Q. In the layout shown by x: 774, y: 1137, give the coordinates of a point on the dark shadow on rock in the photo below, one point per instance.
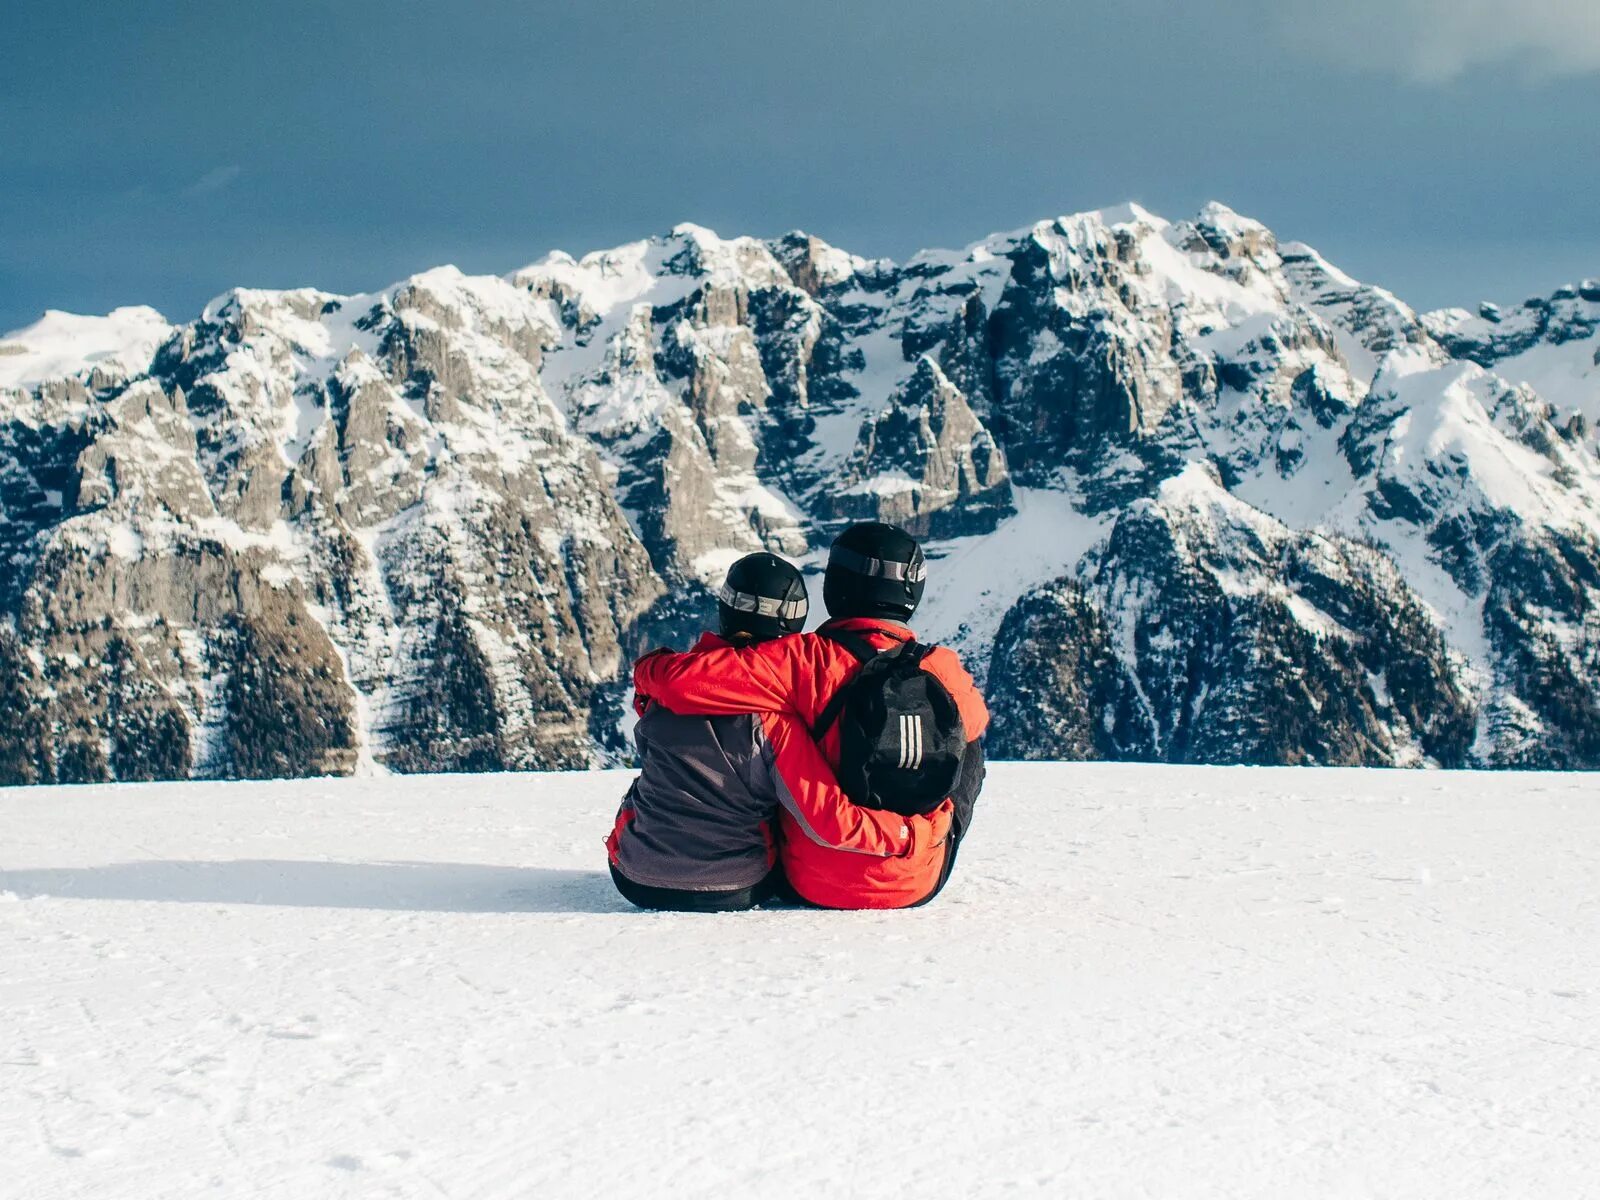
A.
x: 383, y: 886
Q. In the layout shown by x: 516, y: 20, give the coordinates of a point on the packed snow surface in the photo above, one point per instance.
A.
x: 1141, y: 982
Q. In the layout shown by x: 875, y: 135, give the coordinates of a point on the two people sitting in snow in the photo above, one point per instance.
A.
x: 837, y: 768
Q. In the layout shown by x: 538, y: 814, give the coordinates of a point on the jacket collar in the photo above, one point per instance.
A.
x: 715, y: 641
x: 894, y: 629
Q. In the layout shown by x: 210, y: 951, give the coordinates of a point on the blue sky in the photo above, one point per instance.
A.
x: 161, y: 153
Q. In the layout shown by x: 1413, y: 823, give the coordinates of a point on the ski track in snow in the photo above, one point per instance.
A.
x: 1143, y: 981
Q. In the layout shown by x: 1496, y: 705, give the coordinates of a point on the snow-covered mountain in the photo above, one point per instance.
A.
x: 1191, y: 495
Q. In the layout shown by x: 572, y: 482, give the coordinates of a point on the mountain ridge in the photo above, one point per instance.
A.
x: 422, y: 528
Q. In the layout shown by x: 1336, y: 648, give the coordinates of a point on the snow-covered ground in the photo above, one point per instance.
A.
x: 1162, y: 982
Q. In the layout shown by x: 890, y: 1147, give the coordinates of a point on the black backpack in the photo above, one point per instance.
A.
x: 900, y: 735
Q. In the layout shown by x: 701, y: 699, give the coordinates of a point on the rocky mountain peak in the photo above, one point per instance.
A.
x: 813, y: 265
x: 1189, y: 493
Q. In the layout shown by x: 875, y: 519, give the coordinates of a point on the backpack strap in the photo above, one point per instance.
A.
x: 864, y: 652
x: 830, y: 714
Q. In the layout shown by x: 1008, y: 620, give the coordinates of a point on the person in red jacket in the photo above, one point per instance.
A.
x: 695, y: 832
x: 874, y: 582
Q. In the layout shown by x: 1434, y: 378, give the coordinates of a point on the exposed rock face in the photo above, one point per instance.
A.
x: 278, y: 555
x: 1549, y: 343
x: 1061, y: 690
x: 1206, y: 498
x: 1505, y: 505
x: 1073, y: 329
x: 926, y: 463
x: 1203, y: 631
x: 1542, y: 617
x: 1494, y: 335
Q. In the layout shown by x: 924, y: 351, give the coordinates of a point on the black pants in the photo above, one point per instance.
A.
x: 774, y: 888
x: 684, y: 900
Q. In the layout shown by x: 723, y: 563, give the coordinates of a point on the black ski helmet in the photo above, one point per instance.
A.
x: 874, y: 570
x: 763, y: 597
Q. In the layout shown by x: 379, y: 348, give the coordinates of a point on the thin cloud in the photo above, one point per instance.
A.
x: 213, y: 180
x: 1435, y: 41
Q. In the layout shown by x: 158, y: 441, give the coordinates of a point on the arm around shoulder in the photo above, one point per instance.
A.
x: 810, y: 792
x: 725, y: 681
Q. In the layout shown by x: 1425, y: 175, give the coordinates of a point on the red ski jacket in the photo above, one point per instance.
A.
x: 797, y: 676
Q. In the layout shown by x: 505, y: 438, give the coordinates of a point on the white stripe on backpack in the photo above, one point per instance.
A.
x: 910, y: 742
